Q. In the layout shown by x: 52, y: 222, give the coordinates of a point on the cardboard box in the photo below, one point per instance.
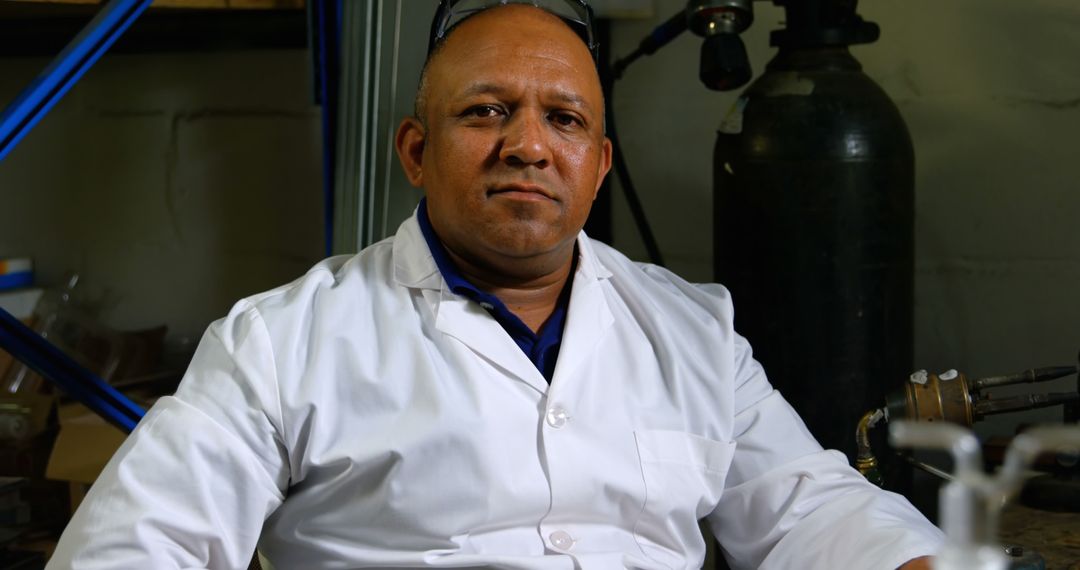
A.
x: 83, y: 446
x: 20, y: 303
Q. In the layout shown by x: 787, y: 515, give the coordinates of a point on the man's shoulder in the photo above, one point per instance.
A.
x: 658, y: 285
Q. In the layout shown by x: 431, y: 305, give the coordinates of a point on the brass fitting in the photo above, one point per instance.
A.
x: 865, y: 462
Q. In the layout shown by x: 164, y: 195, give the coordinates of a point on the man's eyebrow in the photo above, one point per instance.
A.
x: 483, y: 89
x: 570, y: 98
x: 561, y: 95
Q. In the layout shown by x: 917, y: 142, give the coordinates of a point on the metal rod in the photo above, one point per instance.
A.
x: 957, y: 440
x: 1025, y: 377
x: 927, y: 467
x: 52, y: 364
x: 22, y: 114
x: 658, y: 38
x: 1023, y: 402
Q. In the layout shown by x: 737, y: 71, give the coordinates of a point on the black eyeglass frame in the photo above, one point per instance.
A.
x: 440, y: 24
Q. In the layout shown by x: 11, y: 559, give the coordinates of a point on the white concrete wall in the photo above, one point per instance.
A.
x: 173, y: 183
x: 990, y: 90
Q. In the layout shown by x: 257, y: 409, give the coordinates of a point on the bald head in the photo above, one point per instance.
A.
x: 506, y: 16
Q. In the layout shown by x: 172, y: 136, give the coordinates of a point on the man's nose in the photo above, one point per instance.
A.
x: 525, y: 141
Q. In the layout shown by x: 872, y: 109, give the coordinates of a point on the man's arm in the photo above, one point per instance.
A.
x: 192, y: 485
x: 790, y: 504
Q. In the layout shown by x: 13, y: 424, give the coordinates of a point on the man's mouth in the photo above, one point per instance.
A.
x: 522, y: 192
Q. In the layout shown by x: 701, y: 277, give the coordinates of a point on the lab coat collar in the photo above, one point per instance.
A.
x: 588, y: 316
x: 414, y: 266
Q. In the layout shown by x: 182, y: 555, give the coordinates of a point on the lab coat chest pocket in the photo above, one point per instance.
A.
x: 684, y: 478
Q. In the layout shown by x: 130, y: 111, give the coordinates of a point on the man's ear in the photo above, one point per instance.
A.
x: 605, y: 165
x: 409, y: 142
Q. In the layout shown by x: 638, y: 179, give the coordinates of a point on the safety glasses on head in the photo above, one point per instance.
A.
x: 576, y: 13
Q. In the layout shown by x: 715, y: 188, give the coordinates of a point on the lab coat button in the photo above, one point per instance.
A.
x: 557, y: 417
x: 561, y: 540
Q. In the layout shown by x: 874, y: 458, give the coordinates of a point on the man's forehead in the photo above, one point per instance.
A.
x: 514, y: 50
x: 514, y: 39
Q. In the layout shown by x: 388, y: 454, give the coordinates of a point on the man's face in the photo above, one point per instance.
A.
x: 512, y: 152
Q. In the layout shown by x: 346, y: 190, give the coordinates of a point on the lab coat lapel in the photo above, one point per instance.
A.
x: 467, y: 322
x: 456, y: 316
x: 589, y: 316
x: 587, y: 320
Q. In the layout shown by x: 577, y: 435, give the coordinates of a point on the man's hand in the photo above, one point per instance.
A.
x: 922, y: 563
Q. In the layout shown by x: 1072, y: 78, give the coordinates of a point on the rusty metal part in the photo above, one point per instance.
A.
x: 953, y: 397
x: 862, y: 435
x: 865, y: 462
x: 935, y: 400
x: 865, y: 459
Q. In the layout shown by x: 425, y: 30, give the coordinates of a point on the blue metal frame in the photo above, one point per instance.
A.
x: 65, y: 70
x: 18, y: 118
x: 324, y: 33
x: 42, y: 357
x: 24, y: 113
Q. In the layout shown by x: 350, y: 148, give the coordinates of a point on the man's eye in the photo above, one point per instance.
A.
x: 482, y: 111
x: 564, y: 119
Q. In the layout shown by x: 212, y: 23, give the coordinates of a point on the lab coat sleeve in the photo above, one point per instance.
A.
x: 790, y: 504
x: 192, y: 485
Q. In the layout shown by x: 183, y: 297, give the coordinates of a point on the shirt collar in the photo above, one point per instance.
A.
x: 454, y: 279
x: 543, y: 348
x: 459, y: 285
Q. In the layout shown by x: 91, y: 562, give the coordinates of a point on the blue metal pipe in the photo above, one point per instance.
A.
x: 81, y: 53
x: 51, y: 363
x: 324, y: 33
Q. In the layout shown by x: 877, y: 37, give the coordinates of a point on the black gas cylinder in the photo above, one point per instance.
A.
x: 814, y: 200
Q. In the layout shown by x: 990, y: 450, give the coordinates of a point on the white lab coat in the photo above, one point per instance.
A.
x: 364, y: 416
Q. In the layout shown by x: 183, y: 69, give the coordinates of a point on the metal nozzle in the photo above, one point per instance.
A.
x: 865, y: 462
x: 1025, y: 377
x: 1023, y: 402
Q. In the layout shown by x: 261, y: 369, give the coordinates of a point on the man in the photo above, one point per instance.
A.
x: 489, y: 388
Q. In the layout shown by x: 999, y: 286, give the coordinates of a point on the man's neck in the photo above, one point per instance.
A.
x: 531, y: 298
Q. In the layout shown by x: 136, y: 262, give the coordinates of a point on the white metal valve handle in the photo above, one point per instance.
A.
x: 971, y: 502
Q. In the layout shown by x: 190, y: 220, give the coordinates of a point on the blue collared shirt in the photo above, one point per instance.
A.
x: 542, y: 349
